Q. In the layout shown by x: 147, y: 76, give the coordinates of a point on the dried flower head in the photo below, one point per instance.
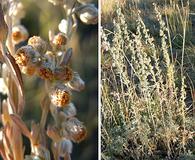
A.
x: 27, y: 56
x: 19, y: 34
x: 75, y: 129
x: 45, y: 71
x: 59, y: 42
x: 64, y: 73
x: 60, y: 95
x: 38, y: 44
x: 88, y: 14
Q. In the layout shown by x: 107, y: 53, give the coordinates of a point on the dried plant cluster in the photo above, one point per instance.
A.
x: 49, y: 61
x: 145, y: 110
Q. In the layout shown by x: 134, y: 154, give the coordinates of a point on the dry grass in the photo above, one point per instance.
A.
x: 147, y: 111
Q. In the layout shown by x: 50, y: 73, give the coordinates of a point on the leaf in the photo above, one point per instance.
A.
x: 45, y: 109
x: 16, y: 75
x: 21, y: 125
x: 17, y: 143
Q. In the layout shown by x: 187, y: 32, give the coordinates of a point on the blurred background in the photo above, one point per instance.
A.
x: 40, y: 17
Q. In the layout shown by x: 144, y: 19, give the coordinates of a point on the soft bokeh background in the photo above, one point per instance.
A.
x: 40, y: 17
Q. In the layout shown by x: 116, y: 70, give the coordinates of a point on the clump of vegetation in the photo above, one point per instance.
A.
x: 147, y: 105
x: 49, y: 61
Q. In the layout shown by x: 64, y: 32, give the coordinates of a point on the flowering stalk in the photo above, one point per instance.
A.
x: 50, y: 62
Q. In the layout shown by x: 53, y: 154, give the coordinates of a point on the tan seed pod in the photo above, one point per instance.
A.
x: 63, y: 147
x: 75, y: 129
x: 27, y: 56
x: 60, y: 95
x: 19, y: 34
x: 38, y: 44
x: 64, y: 74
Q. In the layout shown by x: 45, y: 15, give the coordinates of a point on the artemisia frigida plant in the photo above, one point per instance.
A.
x: 50, y: 62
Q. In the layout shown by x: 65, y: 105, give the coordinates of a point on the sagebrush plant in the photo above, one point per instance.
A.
x: 51, y: 62
x: 144, y: 110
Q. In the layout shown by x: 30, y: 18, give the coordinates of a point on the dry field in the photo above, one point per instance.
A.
x: 148, y: 78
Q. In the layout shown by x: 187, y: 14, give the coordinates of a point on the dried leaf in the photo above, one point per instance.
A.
x: 16, y: 75
x: 35, y: 129
x: 45, y: 109
x: 6, y: 142
x: 17, y: 143
x: 5, y: 113
x: 21, y: 125
x: 2, y: 150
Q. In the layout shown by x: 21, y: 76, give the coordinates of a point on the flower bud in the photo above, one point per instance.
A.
x: 59, y: 41
x: 27, y: 56
x: 77, y: 83
x: 38, y: 44
x: 19, y: 34
x: 65, y: 26
x: 64, y: 147
x: 45, y: 71
x: 75, y: 129
x: 88, y: 14
x: 60, y: 95
x: 70, y: 110
x: 64, y: 74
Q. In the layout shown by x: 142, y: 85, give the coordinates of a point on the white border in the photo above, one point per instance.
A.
x: 99, y: 81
